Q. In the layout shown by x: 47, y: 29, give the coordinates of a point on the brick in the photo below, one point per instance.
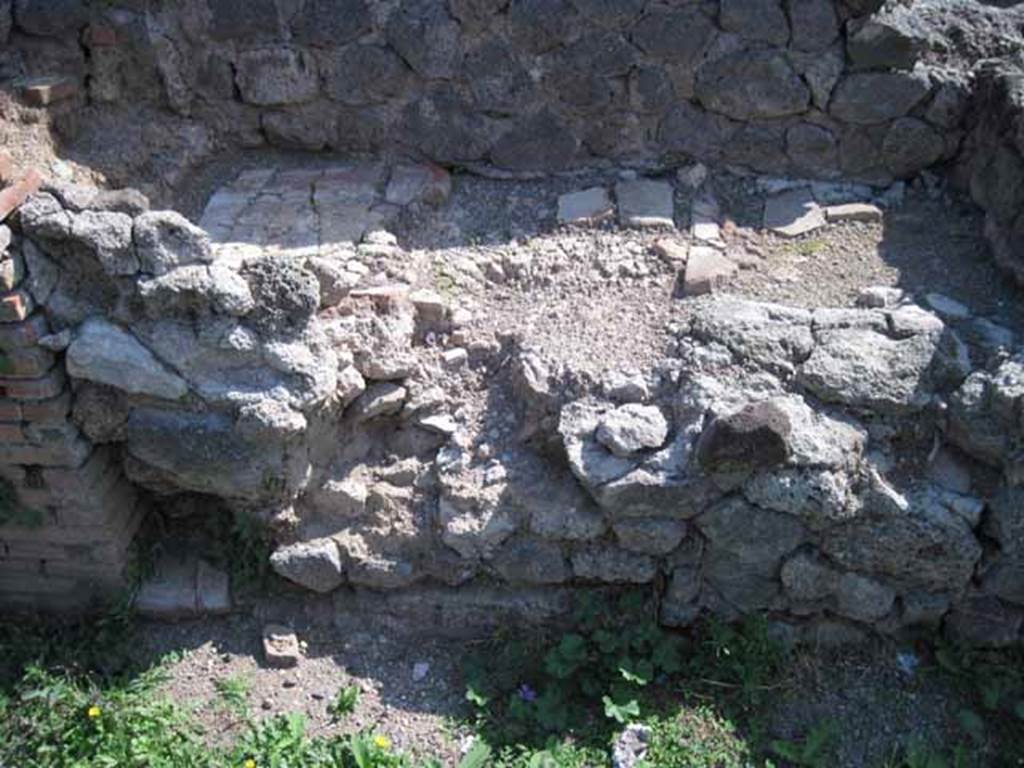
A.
x: 68, y: 454
x: 101, y: 35
x: 12, y: 197
x: 11, y: 433
x: 16, y: 306
x: 12, y: 271
x: 13, y: 474
x: 10, y: 410
x: 43, y: 91
x: 49, y: 386
x: 27, y: 363
x: 6, y: 167
x: 24, y: 334
x: 86, y: 477
x: 50, y: 411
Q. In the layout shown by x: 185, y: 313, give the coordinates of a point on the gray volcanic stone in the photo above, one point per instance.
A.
x: 815, y: 23
x: 275, y: 76
x: 812, y: 149
x: 910, y: 146
x: 885, y: 41
x: 540, y: 25
x: 50, y: 18
x: 107, y: 354
x: 6, y: 20
x: 984, y: 621
x: 539, y: 142
x: 204, y: 452
x: 924, y: 547
x: 866, y: 369
x: 315, y: 565
x: 253, y: 21
x: 423, y: 34
x: 606, y: 563
x: 806, y: 578
x: 863, y: 599
x: 755, y: 20
x: 751, y: 84
x: 329, y: 23
x: 166, y: 239
x: 286, y: 294
x: 609, y: 12
x: 876, y: 97
x: 755, y: 437
x: 649, y: 536
x: 793, y: 213
x: 677, y: 35
x: 365, y: 74
x: 631, y: 428
x: 108, y: 236
x: 532, y: 561
x: 694, y: 131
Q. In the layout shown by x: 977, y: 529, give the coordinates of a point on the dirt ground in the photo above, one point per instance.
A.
x: 877, y: 708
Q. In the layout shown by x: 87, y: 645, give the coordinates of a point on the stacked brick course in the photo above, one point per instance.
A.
x: 67, y: 514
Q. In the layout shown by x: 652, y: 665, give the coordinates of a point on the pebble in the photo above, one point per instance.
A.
x: 420, y: 670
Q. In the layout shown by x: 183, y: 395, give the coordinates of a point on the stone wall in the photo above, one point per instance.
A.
x: 765, y: 464
x: 810, y: 88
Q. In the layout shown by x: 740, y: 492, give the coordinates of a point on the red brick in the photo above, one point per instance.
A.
x: 101, y: 36
x: 10, y: 410
x: 52, y: 411
x: 16, y: 305
x: 43, y: 388
x: 6, y: 167
x: 11, y: 433
x: 15, y: 195
x: 28, y: 363
x: 58, y: 454
x: 25, y: 334
x: 43, y: 91
x: 84, y: 478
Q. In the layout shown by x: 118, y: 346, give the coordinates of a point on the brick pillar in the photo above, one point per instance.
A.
x: 67, y: 514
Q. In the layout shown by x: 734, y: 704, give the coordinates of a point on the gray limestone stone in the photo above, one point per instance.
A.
x: 315, y: 565
x: 104, y: 353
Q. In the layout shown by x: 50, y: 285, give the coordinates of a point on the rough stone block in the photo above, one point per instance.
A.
x: 27, y: 363
x: 275, y: 76
x: 793, y: 213
x: 585, y: 206
x: 424, y: 183
x: 865, y: 212
x: 280, y: 647
x: 48, y: 411
x: 706, y: 269
x: 645, y: 203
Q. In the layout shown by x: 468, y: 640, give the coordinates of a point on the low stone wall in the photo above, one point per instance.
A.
x: 758, y: 467
x: 810, y: 88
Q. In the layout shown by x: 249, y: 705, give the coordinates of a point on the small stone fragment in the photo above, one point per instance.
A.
x: 631, y: 428
x: 280, y: 647
x: 879, y: 296
x: 420, y: 670
x: 429, y: 304
x: 585, y: 206
x: 455, y: 358
x: 946, y: 307
x: 793, y: 213
x: 379, y: 400
x: 706, y: 269
x: 672, y: 251
x: 865, y: 212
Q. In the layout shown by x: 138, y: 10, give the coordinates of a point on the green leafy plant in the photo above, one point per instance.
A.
x: 814, y: 751
x: 345, y: 702
x: 234, y: 693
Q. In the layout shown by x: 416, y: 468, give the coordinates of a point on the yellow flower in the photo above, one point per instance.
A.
x: 93, y: 712
x: 250, y: 763
x: 382, y: 742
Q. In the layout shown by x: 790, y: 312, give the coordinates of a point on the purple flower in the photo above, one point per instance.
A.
x: 526, y: 693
